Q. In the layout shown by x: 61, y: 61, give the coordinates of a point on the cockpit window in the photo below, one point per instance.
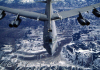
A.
x: 49, y: 30
x: 50, y: 40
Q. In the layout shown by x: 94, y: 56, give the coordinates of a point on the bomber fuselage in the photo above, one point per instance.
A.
x: 49, y: 33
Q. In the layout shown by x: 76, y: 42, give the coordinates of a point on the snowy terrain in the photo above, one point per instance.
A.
x: 22, y: 48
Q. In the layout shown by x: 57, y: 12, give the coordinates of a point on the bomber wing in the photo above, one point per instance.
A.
x: 66, y: 14
x: 32, y: 15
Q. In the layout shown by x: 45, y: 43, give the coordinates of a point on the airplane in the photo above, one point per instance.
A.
x: 49, y: 18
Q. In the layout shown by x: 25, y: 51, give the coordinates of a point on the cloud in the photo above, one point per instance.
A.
x: 34, y: 39
x: 20, y: 1
x: 81, y: 0
x: 26, y: 1
x: 9, y: 1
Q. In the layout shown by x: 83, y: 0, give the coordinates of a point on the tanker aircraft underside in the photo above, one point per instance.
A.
x: 49, y: 18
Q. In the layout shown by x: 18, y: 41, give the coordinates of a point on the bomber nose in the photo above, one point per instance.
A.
x: 50, y: 49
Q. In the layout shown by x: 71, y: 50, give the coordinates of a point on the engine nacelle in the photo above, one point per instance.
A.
x: 15, y: 23
x: 96, y: 12
x: 11, y: 24
x: 83, y: 21
x: 87, y: 22
x: 2, y: 15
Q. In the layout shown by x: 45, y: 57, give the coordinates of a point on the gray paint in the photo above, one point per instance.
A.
x: 32, y: 15
x: 70, y: 13
x: 49, y: 37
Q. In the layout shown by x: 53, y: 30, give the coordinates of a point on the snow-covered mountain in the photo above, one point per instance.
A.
x: 22, y: 48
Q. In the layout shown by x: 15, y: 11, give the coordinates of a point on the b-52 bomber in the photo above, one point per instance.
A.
x: 49, y: 18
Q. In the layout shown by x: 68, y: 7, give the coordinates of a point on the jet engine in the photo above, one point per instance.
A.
x: 96, y: 12
x: 82, y: 20
x: 2, y: 15
x: 15, y: 23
